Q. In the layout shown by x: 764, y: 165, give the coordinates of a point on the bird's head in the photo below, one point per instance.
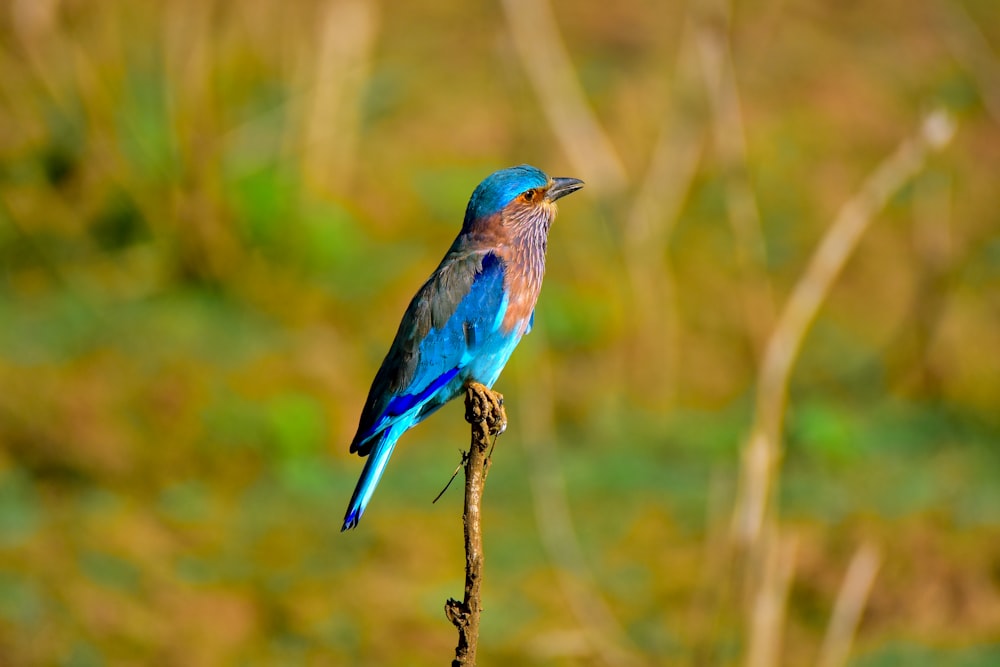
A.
x: 519, y: 195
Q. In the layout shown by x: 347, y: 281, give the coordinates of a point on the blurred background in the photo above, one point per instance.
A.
x: 212, y: 216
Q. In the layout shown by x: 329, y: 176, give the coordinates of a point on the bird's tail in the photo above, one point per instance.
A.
x: 370, y: 475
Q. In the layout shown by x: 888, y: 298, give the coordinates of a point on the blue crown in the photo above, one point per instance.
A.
x: 501, y: 188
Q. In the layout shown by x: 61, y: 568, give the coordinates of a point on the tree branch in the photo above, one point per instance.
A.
x: 485, y: 412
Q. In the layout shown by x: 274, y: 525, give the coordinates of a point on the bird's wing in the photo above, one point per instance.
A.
x: 460, y: 306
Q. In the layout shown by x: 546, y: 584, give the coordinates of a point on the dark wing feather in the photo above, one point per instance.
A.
x: 463, y: 295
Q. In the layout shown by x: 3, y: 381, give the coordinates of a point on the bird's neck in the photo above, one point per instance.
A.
x: 527, y: 253
x: 520, y: 237
x: 523, y: 253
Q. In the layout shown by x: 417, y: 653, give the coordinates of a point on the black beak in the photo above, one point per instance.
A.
x: 563, y: 186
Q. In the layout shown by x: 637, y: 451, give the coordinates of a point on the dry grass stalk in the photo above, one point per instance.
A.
x: 547, y: 65
x: 338, y: 72
x: 655, y: 209
x: 763, y: 446
x: 729, y: 133
x: 767, y: 614
x: 754, y: 509
x: 847, y: 609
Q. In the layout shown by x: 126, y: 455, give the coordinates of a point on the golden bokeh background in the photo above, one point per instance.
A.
x: 213, y: 214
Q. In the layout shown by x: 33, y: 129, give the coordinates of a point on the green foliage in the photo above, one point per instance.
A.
x: 19, y: 508
x: 898, y: 654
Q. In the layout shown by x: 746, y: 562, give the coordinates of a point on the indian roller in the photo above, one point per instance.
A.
x: 466, y: 320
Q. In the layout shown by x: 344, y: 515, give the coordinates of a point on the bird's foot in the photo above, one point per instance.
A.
x: 482, y: 404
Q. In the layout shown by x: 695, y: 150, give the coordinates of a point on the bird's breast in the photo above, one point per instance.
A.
x: 522, y: 285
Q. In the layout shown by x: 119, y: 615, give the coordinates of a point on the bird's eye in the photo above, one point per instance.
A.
x: 529, y: 196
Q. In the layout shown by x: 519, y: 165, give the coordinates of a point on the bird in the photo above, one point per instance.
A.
x: 465, y: 321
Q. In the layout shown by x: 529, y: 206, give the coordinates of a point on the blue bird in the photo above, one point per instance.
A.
x: 466, y: 320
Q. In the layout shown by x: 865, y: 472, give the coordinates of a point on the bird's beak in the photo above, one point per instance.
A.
x: 563, y: 186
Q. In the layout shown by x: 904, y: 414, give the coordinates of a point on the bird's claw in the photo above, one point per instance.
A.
x: 482, y: 404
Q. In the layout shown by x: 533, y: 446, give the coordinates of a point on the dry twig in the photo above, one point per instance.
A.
x: 484, y: 410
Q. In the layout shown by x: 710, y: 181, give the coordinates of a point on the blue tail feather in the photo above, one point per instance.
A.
x: 371, y: 474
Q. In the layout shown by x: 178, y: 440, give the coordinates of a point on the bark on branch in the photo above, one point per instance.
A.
x: 484, y: 411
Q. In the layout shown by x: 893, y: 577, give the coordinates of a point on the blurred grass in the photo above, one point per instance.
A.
x: 190, y: 318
